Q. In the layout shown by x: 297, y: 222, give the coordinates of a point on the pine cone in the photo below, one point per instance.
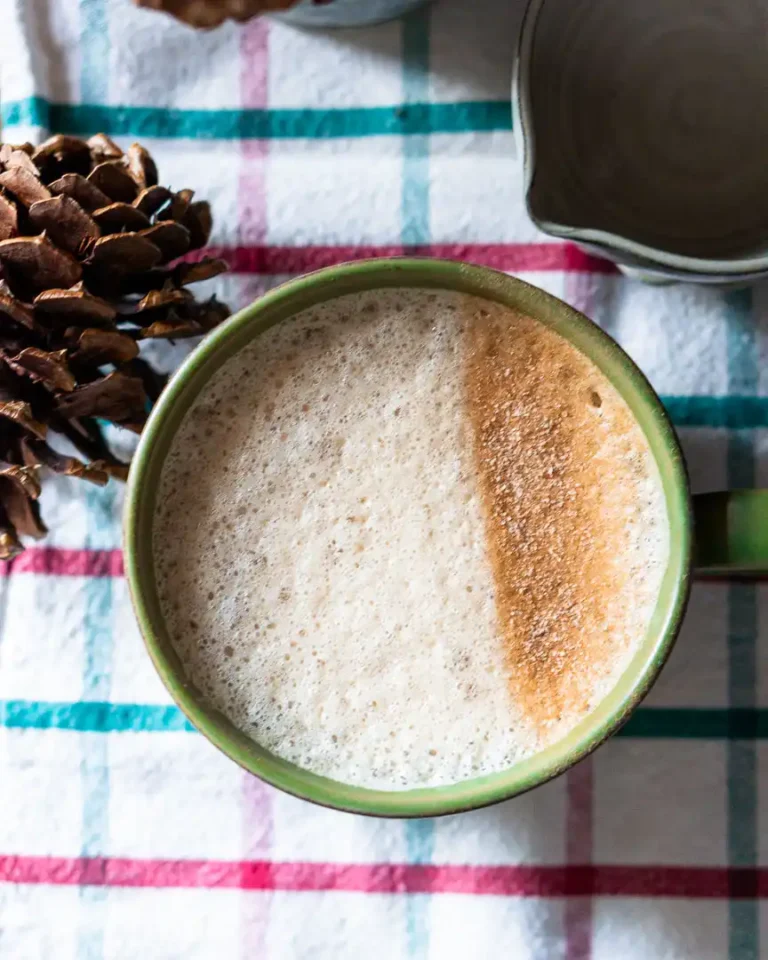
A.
x: 212, y: 13
x: 87, y: 244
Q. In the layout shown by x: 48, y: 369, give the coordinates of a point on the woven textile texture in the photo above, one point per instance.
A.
x: 123, y: 833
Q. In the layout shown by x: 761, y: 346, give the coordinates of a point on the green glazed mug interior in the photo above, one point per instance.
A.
x: 281, y: 304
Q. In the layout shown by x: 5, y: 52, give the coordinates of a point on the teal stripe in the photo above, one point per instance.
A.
x: 93, y: 717
x: 742, y: 845
x: 741, y: 778
x: 94, y: 52
x: 653, y: 723
x: 415, y: 192
x: 98, y: 613
x: 420, y: 848
x: 415, y: 230
x: 659, y: 723
x: 313, y: 124
x: 738, y: 412
x: 97, y: 684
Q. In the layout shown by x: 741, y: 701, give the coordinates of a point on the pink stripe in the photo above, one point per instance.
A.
x: 254, y: 59
x: 510, y: 257
x: 60, y: 562
x: 252, y: 192
x: 578, y: 840
x: 258, y: 830
x: 521, y: 881
x: 256, y: 796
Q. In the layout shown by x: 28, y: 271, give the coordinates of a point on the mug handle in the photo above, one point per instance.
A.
x: 731, y: 534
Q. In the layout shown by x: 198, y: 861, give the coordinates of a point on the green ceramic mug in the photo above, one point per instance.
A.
x: 731, y: 533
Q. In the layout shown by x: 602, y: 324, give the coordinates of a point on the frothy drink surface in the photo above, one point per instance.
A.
x: 408, y: 537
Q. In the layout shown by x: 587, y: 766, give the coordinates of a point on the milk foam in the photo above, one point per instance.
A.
x: 321, y: 548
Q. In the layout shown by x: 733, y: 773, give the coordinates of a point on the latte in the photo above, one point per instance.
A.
x: 408, y: 537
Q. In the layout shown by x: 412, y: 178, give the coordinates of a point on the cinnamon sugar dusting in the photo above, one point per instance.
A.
x: 574, y: 514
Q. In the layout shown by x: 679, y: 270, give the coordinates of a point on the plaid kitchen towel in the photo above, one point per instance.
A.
x: 124, y: 834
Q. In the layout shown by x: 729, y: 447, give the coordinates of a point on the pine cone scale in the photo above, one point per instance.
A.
x: 9, y: 218
x: 37, y: 262
x: 86, y: 193
x: 65, y: 222
x: 73, y: 304
x: 23, y: 185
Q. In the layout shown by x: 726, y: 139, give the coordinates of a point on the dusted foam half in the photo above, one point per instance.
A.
x: 368, y: 535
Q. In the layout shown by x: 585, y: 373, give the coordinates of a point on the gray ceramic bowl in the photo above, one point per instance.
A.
x: 643, y: 127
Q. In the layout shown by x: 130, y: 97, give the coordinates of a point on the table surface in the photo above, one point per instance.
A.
x: 124, y: 834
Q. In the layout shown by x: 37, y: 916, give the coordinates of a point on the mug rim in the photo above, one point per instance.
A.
x: 328, y: 284
x: 614, y: 245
